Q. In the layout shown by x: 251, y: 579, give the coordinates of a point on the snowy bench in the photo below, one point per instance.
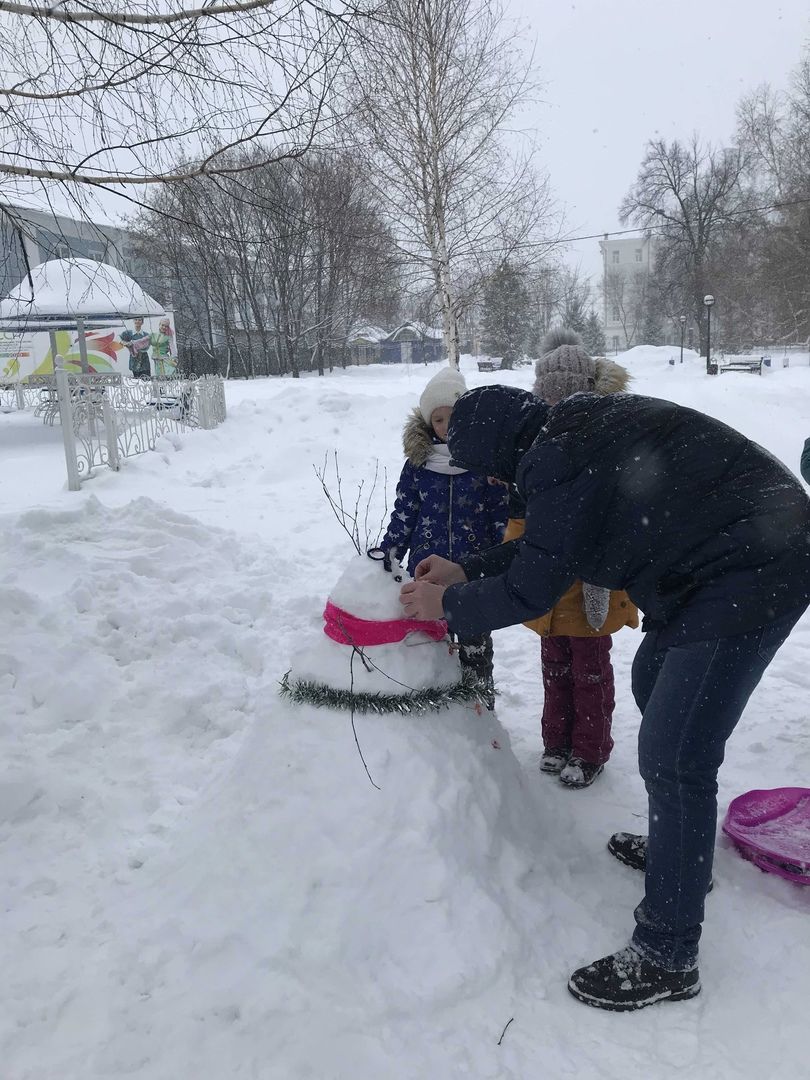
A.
x: 752, y: 365
x: 489, y: 365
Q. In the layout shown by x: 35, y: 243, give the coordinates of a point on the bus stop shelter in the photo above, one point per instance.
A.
x: 77, y: 295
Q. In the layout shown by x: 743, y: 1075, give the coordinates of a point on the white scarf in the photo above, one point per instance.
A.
x: 439, y: 461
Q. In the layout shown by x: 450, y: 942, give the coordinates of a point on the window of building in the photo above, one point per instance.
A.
x: 638, y: 254
x: 615, y: 256
x: 616, y: 314
x: 62, y: 251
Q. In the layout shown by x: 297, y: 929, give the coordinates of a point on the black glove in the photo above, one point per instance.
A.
x: 384, y: 556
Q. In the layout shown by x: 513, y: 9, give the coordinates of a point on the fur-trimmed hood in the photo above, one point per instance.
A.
x: 418, y: 439
x: 610, y: 378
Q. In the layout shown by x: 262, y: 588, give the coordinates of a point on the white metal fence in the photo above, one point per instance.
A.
x: 105, y: 420
x: 18, y: 396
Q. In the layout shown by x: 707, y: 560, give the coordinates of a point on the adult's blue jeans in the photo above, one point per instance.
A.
x: 691, y: 697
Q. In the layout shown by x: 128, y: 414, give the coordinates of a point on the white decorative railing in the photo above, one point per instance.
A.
x: 17, y: 396
x: 105, y: 419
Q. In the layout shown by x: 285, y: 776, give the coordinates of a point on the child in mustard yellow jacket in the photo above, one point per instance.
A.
x: 575, y: 636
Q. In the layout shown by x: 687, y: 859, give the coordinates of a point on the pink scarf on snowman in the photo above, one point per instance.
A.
x: 347, y: 629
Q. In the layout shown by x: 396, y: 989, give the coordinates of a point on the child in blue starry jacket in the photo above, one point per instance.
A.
x: 443, y: 510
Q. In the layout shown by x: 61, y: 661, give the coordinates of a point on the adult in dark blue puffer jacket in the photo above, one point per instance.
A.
x: 444, y: 510
x: 710, y: 536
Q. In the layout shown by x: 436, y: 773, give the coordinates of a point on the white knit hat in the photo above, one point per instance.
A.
x: 445, y: 388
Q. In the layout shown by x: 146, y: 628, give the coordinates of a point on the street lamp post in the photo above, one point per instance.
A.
x: 683, y: 327
x: 711, y: 369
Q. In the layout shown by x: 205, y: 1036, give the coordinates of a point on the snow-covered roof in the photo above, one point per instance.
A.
x: 77, y: 288
x: 368, y: 332
x: 420, y: 328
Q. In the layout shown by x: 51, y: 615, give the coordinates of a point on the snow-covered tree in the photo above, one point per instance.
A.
x: 593, y: 335
x: 505, y: 318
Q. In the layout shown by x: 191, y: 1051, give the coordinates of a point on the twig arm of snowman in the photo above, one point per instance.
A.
x: 407, y: 507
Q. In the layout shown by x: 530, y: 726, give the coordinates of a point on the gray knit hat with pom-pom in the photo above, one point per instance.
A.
x: 564, y: 367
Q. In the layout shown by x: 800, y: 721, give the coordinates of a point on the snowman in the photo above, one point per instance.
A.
x: 368, y: 658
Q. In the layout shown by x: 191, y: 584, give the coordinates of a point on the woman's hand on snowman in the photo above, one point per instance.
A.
x: 438, y: 571
x: 422, y: 600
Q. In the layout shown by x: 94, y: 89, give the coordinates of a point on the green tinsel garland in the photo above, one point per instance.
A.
x: 431, y: 699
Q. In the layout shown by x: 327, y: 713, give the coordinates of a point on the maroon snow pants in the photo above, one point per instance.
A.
x: 579, y: 696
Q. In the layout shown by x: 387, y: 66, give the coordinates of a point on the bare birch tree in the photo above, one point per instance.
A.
x: 439, y: 84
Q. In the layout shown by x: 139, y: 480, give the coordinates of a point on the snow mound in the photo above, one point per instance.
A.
x: 299, y: 904
x: 655, y: 353
x: 128, y: 666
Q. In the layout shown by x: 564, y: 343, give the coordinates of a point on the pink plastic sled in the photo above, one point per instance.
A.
x: 772, y: 829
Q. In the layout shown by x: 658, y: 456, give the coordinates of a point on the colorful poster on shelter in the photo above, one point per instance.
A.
x: 108, y: 350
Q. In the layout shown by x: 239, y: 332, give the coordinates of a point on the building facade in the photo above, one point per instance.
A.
x: 39, y: 236
x: 365, y: 344
x: 627, y: 263
x: 412, y: 343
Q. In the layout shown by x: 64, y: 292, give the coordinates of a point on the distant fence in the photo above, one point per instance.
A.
x: 105, y: 421
x: 735, y: 349
x: 245, y: 361
x: 17, y: 396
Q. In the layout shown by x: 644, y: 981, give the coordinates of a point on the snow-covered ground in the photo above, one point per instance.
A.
x: 198, y: 880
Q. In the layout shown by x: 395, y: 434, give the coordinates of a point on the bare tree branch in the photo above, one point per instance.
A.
x: 60, y: 14
x: 98, y: 98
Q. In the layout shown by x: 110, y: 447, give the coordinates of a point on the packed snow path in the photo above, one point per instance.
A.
x: 199, y: 882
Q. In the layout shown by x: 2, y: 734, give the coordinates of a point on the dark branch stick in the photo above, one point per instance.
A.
x: 354, y: 726
x: 508, y: 1022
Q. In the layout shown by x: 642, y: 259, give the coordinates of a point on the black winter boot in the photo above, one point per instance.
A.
x: 579, y: 773
x: 625, y: 981
x: 631, y: 849
x: 554, y: 760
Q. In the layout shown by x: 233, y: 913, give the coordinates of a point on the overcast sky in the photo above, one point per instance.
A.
x: 618, y: 72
